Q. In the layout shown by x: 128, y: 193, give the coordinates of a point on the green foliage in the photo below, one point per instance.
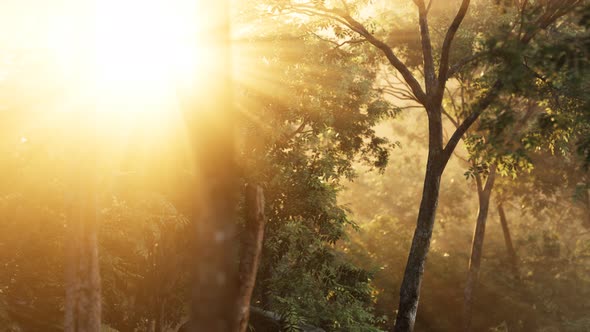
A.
x: 301, y: 135
x: 546, y: 228
x: 145, y: 262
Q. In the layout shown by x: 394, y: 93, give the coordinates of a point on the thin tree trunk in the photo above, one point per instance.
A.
x: 251, y: 251
x: 484, y: 195
x: 513, y: 259
x: 410, y: 288
x: 209, y: 122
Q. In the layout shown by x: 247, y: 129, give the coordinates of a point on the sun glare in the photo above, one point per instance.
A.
x: 123, y: 70
x: 130, y: 56
x: 144, y: 44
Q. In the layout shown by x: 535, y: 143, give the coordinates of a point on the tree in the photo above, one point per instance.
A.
x: 317, y: 112
x: 209, y: 118
x: 251, y: 250
x: 430, y: 96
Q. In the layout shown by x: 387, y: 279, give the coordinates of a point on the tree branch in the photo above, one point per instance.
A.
x: 460, y: 157
x: 446, y: 48
x: 391, y: 57
x: 429, y: 73
x: 490, y: 180
x: 464, y: 126
x: 453, y: 121
x: 554, y: 10
x: 297, y: 131
x: 429, y: 5
x: 344, y: 18
x: 339, y: 44
x: 456, y: 108
x: 478, y: 182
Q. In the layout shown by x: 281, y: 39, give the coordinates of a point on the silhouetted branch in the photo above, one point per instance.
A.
x: 446, y: 47
x: 344, y: 18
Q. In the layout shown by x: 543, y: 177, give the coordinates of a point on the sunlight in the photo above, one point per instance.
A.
x: 133, y: 56
x: 144, y: 47
x: 128, y: 67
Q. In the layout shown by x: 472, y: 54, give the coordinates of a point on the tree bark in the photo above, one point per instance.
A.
x: 251, y: 251
x: 412, y: 281
x: 484, y: 195
x: 512, y: 257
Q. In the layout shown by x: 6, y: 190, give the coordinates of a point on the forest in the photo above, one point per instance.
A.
x: 294, y: 165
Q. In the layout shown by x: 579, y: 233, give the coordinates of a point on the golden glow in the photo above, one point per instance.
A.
x: 144, y: 45
x: 129, y: 56
x: 114, y: 73
x: 126, y: 66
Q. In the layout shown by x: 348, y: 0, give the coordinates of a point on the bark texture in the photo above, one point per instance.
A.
x: 251, y: 251
x: 484, y: 194
x: 412, y: 281
x: 410, y: 289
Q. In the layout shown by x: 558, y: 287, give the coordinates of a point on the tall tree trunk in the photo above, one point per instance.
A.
x: 83, y: 298
x: 210, y: 127
x: 410, y: 288
x: 484, y: 195
x: 513, y: 259
x: 251, y: 251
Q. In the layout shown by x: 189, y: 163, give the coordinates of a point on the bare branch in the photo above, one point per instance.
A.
x: 456, y: 109
x: 446, y: 48
x: 406, y: 88
x: 350, y: 41
x: 345, y: 19
x: 460, y: 157
x: 453, y: 121
x: 398, y: 94
x: 411, y: 107
x: 337, y: 44
x: 429, y: 73
x: 393, y: 59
